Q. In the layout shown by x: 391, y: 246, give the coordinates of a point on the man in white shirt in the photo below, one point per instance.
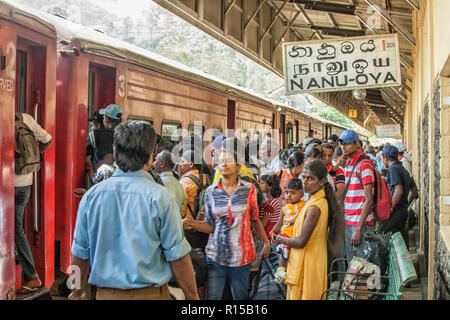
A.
x: 164, y: 165
x: 22, y: 191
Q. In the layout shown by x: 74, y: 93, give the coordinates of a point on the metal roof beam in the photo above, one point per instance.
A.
x: 327, y: 6
x: 228, y: 8
x: 247, y: 23
x: 396, y: 25
x: 277, y: 43
x: 339, y: 32
x: 414, y: 3
x: 273, y: 20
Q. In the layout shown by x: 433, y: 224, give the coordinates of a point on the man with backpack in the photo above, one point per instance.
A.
x: 358, y: 194
x: 195, y: 182
x: 399, y: 181
x: 27, y: 161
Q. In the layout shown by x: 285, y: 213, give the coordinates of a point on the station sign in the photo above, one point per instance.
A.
x: 342, y: 64
x: 389, y: 131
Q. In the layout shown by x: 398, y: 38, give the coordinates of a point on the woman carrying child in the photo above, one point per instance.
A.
x: 306, y: 274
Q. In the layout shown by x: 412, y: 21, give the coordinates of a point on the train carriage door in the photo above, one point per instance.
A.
x: 231, y: 113
x: 283, y: 130
x: 290, y: 133
x: 30, y: 99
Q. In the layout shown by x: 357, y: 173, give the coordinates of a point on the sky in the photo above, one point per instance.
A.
x: 124, y: 8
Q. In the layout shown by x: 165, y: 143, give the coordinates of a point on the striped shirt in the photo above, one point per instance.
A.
x: 338, y: 176
x: 354, y: 199
x: 231, y: 243
x: 271, y: 208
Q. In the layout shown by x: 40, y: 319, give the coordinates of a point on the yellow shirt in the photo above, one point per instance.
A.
x: 242, y: 173
x: 290, y: 213
x: 307, y: 267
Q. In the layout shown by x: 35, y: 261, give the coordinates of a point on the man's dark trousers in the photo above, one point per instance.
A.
x: 23, y: 250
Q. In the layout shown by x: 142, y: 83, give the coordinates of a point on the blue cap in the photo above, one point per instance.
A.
x: 348, y: 136
x: 217, y: 143
x: 112, y: 111
x: 390, y: 151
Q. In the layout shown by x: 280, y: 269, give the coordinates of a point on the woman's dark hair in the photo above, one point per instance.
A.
x: 296, y: 158
x: 134, y: 143
x: 294, y: 183
x: 327, y: 146
x: 273, y: 182
x: 313, y: 153
x: 284, y: 154
x: 318, y: 169
x: 333, y: 137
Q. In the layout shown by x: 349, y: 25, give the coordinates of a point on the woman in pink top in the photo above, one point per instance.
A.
x: 296, y: 161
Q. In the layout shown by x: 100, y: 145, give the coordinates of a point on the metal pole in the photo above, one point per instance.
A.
x: 35, y: 187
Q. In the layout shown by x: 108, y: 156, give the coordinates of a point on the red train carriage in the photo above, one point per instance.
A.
x: 27, y: 84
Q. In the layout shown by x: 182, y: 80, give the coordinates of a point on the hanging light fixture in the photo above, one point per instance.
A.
x: 360, y: 94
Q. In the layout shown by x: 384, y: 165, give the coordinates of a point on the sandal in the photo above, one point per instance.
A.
x: 30, y: 286
x: 25, y: 290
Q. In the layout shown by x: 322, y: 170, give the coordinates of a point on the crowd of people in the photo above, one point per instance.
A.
x: 159, y: 214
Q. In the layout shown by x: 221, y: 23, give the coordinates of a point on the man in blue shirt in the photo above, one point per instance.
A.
x: 129, y: 230
x: 398, y: 180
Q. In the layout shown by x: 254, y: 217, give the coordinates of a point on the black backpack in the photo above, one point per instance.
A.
x: 196, y: 238
x: 27, y: 157
x: 200, y: 197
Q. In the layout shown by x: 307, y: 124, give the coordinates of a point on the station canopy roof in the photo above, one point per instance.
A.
x: 257, y: 28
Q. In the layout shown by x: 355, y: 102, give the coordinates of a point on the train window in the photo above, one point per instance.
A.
x: 290, y: 134
x: 170, y: 131
x: 195, y: 129
x: 217, y: 131
x: 149, y: 120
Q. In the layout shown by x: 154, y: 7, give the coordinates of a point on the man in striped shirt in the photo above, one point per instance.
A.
x: 358, y: 199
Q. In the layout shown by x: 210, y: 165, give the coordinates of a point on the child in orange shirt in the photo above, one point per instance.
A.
x: 293, y: 191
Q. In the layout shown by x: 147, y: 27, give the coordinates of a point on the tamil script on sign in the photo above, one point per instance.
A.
x: 344, y: 64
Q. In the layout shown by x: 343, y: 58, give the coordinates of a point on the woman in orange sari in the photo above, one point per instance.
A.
x: 306, y: 274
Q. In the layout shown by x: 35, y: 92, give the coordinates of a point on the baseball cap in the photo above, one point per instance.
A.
x: 348, y: 136
x: 390, y: 151
x: 399, y: 145
x: 217, y: 143
x: 112, y: 111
